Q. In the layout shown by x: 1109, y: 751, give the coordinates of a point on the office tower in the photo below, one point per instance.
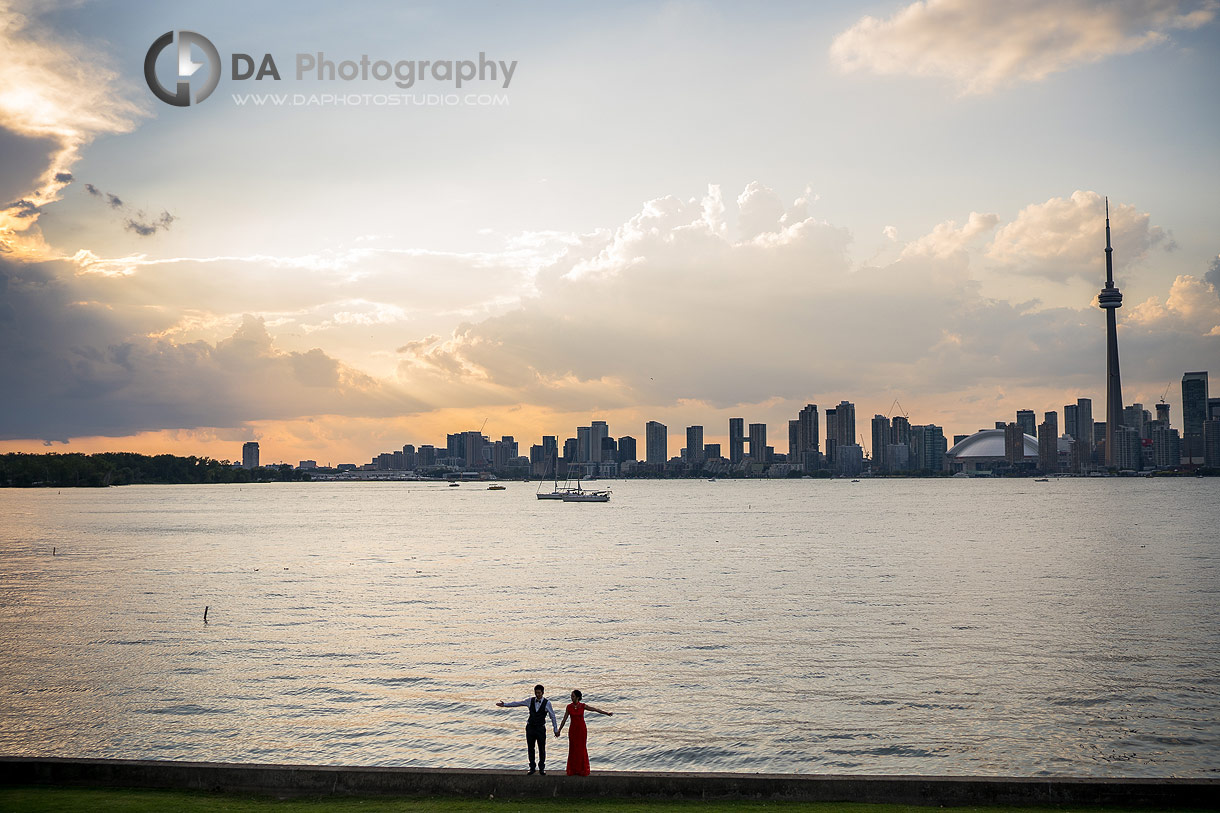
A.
x: 794, y: 440
x: 1084, y: 425
x: 881, y: 443
x: 1027, y: 421
x: 1194, y: 413
x: 656, y: 443
x: 249, y: 455
x: 1014, y: 444
x: 427, y: 456
x: 500, y: 455
x: 694, y: 445
x: 711, y: 451
x: 626, y: 449
x: 1128, y: 449
x: 1070, y: 413
x: 1213, y: 408
x: 600, y: 431
x: 571, y: 449
x: 1110, y: 300
x: 1162, y: 414
x: 850, y: 459
x: 1211, y: 443
x: 609, y: 450
x: 1166, y: 448
x: 807, y: 452
x: 409, y: 460
x: 840, y: 431
x: 1133, y: 416
x: 475, y: 443
x: 737, y: 439
x: 928, y: 448
x: 455, y: 446
x: 832, y: 431
x: 1048, y: 443
x: 758, y: 443
x: 510, y: 446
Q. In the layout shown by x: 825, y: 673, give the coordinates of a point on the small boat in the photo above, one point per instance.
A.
x: 494, y: 487
x: 1042, y: 480
x: 454, y: 485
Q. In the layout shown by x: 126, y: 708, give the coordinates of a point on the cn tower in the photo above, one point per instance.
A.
x: 1110, y: 300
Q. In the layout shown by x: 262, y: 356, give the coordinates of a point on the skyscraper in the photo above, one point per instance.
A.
x: 1162, y: 413
x: 1028, y: 422
x: 656, y: 443
x: 249, y: 455
x: 737, y: 439
x: 1194, y: 413
x: 881, y: 443
x: 807, y: 438
x: 1110, y: 300
x: 840, y: 430
x: 1048, y: 443
x: 694, y: 445
x: 758, y: 443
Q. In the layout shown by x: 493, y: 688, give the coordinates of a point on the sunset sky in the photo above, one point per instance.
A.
x: 679, y: 212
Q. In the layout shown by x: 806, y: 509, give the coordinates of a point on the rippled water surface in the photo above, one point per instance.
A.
x: 904, y: 626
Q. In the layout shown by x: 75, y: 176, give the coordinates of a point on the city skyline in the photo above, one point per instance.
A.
x: 640, y: 234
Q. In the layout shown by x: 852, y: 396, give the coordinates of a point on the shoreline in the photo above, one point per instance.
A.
x: 331, y: 780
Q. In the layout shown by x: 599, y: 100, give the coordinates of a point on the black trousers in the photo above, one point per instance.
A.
x: 536, y: 735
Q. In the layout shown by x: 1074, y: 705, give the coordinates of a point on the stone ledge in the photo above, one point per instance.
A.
x: 325, y: 780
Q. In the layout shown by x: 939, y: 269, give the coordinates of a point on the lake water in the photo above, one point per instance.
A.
x: 971, y: 627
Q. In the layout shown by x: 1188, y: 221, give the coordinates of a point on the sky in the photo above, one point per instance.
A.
x: 680, y: 212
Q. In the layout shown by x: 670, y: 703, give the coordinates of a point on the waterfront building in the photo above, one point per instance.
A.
x: 427, y: 456
x: 1162, y: 413
x: 737, y: 439
x: 1110, y: 300
x: 1015, y: 440
x: 989, y: 449
x: 808, y: 451
x: 1194, y: 413
x: 1166, y: 448
x: 758, y: 443
x: 1128, y: 449
x: 881, y: 442
x: 626, y: 449
x: 840, y: 431
x: 928, y: 447
x: 249, y: 455
x: 1211, y: 443
x: 711, y: 451
x: 656, y: 443
x: 1028, y: 422
x: 694, y: 445
x: 1048, y: 443
x: 1137, y: 418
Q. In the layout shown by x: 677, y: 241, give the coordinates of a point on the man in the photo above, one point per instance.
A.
x: 535, y: 726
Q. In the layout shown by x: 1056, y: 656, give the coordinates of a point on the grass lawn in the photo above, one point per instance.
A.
x: 75, y: 800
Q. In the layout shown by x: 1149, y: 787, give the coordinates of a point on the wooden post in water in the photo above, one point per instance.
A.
x: 205, y: 615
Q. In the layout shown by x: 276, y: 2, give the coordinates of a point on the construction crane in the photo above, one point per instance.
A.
x: 902, y: 409
x: 1166, y: 392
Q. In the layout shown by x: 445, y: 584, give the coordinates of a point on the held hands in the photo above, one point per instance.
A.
x: 500, y: 703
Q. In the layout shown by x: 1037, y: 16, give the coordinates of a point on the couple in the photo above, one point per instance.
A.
x: 535, y: 729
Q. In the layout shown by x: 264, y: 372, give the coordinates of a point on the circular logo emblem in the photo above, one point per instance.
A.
x: 187, y: 67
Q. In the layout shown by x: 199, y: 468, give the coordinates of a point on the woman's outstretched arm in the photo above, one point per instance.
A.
x: 599, y: 711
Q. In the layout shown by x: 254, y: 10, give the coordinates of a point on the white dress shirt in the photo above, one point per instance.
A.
x: 546, y: 705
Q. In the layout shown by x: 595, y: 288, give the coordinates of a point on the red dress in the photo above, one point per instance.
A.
x: 578, y: 736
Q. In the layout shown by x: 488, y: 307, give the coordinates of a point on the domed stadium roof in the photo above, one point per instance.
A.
x: 989, y: 443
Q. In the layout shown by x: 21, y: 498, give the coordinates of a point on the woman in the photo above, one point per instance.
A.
x: 578, y: 753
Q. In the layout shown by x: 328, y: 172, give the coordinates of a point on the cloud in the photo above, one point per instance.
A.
x: 983, y: 45
x: 947, y: 240
x: 146, y: 228
x: 67, y: 96
x: 1213, y: 275
x: 137, y: 222
x: 1066, y: 237
x: 72, y: 367
x: 1191, y: 307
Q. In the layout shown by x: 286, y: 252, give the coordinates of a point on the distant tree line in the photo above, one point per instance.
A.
x: 19, y: 470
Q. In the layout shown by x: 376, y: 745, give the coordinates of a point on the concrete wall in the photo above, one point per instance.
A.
x: 313, y: 780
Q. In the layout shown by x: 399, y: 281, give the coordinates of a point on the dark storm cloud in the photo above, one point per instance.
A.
x: 114, y: 201
x: 63, y: 177
x: 22, y: 208
x: 72, y: 367
x: 146, y: 228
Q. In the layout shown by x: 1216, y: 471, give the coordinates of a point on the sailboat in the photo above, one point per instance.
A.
x: 556, y: 493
